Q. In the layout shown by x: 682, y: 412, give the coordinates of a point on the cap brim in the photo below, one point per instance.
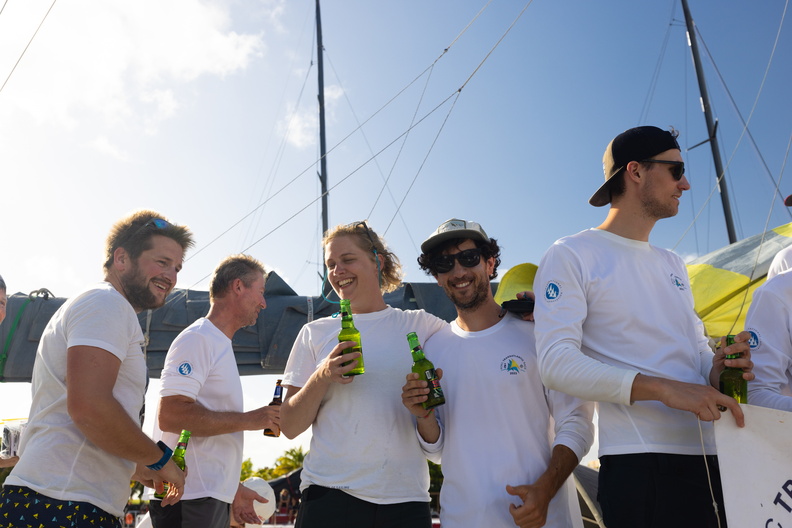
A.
x: 602, y: 196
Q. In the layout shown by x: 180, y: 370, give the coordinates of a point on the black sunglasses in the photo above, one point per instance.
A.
x: 468, y: 258
x: 677, y: 167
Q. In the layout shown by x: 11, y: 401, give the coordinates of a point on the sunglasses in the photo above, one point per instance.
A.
x: 355, y: 225
x: 468, y: 258
x: 157, y: 223
x: 677, y: 167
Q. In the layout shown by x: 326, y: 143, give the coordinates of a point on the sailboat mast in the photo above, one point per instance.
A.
x: 711, y: 124
x: 322, y: 139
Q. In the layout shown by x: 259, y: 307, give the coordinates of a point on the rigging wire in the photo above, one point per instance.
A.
x: 278, y: 157
x: 656, y: 74
x: 719, y: 178
x: 431, y: 147
x: 28, y: 44
x: 385, y: 180
x: 745, y: 130
x: 345, y: 138
x: 761, y: 241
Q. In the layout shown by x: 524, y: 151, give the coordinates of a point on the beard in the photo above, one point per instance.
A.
x: 477, y: 298
x: 137, y: 292
x: 654, y: 208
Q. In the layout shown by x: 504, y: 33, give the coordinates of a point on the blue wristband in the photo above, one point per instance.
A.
x: 166, y: 455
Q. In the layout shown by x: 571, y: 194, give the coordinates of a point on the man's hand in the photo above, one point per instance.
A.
x: 532, y: 513
x: 415, y: 392
x: 267, y: 417
x: 169, y: 473
x: 719, y: 361
x: 702, y: 400
x: 242, y: 506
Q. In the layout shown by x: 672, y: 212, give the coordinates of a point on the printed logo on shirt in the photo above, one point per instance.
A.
x: 677, y: 281
x: 185, y: 369
x: 754, y: 340
x: 513, y: 365
x: 552, y: 291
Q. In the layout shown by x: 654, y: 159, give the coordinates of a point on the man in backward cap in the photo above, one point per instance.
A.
x: 534, y: 438
x: 783, y: 259
x: 615, y: 324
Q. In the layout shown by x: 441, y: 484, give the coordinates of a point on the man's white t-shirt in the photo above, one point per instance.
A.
x: 57, y: 460
x: 201, y: 365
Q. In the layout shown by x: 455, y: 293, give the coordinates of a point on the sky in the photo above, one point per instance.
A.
x: 498, y: 112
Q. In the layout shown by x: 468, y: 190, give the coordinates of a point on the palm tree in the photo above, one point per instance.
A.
x: 292, y: 459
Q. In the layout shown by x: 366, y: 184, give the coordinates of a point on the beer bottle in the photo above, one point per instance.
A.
x: 731, y: 379
x: 178, y: 458
x: 425, y: 369
x: 350, y: 333
x: 276, y: 400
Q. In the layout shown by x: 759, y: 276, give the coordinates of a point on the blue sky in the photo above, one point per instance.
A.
x: 194, y: 109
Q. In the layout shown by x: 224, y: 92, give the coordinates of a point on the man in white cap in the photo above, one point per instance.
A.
x: 534, y: 437
x: 615, y: 324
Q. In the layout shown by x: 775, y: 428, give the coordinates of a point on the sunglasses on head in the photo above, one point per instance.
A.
x: 157, y: 223
x: 468, y: 258
x: 677, y: 167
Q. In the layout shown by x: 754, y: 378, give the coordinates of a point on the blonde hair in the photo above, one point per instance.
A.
x: 367, y: 240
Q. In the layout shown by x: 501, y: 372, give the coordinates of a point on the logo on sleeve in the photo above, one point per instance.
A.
x: 513, y: 365
x: 754, y: 340
x: 552, y: 291
x: 185, y: 369
x: 678, y: 282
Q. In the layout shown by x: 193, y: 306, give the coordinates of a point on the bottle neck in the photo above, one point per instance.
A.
x: 417, y: 354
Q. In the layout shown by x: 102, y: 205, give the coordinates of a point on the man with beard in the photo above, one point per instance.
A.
x: 534, y: 438
x: 615, y: 324
x: 201, y: 392
x: 83, y: 442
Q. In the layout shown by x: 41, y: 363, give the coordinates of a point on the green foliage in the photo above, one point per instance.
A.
x: 290, y: 460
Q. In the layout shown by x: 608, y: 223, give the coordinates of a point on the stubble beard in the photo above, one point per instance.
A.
x: 136, y: 290
x: 478, y: 298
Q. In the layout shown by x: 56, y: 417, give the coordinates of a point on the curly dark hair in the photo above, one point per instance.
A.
x: 488, y: 250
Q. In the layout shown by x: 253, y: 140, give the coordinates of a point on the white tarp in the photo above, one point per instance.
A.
x: 756, y: 468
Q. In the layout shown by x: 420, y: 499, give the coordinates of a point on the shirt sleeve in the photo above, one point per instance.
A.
x: 187, y: 365
x: 560, y: 312
x: 574, y: 426
x: 768, y: 321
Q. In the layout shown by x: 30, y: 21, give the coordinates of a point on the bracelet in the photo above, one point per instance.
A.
x: 166, y: 455
x: 427, y: 414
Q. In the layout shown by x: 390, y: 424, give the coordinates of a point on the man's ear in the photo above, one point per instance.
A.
x: 631, y: 171
x: 121, y: 259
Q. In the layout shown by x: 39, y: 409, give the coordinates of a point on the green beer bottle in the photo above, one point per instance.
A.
x: 350, y: 333
x: 425, y: 369
x: 178, y: 458
x: 731, y: 379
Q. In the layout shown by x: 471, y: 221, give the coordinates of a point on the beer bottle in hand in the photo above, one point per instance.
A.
x: 426, y: 371
x: 731, y: 378
x: 178, y: 458
x: 276, y: 400
x: 350, y: 333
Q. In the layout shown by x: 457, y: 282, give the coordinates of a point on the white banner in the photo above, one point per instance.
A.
x: 756, y: 468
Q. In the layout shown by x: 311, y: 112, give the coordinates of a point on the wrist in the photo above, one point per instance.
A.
x: 427, y: 415
x: 166, y: 455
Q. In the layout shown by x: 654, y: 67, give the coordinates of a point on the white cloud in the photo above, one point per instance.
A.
x: 106, y: 58
x: 102, y: 144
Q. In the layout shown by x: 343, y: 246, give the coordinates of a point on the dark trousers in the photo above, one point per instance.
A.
x: 322, y: 507
x: 658, y: 490
x: 193, y: 513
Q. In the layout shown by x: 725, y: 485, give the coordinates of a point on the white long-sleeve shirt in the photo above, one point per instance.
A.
x: 607, y: 309
x: 769, y: 321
